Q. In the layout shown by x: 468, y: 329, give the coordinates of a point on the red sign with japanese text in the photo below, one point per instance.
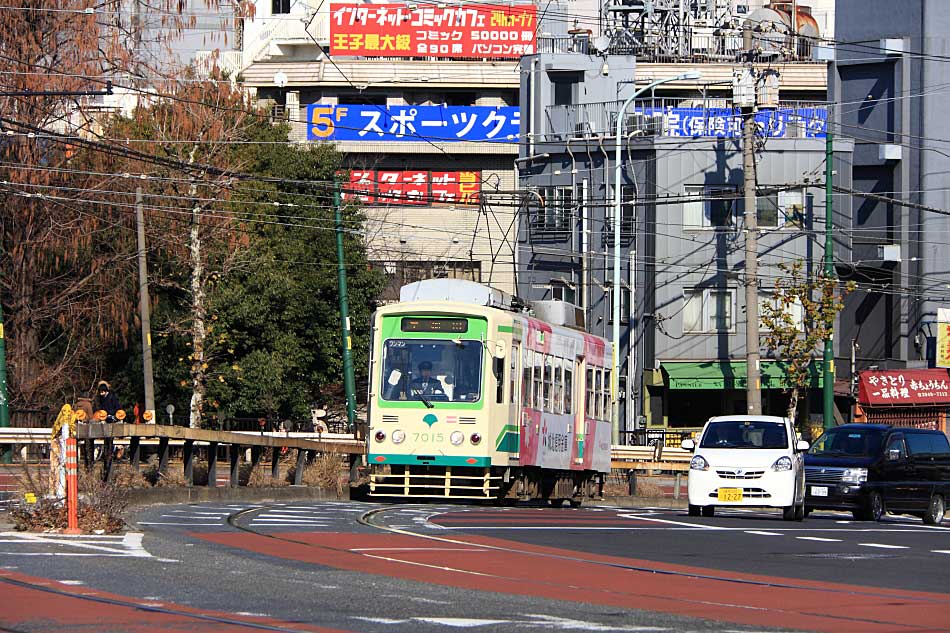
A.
x: 463, y: 31
x: 413, y: 187
x: 907, y: 387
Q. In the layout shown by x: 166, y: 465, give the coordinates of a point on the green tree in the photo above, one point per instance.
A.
x: 277, y: 317
x: 800, y: 316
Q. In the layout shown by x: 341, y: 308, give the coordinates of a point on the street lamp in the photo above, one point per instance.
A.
x: 615, y: 374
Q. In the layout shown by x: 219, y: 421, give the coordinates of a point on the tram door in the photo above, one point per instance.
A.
x: 514, y: 395
x: 578, y: 392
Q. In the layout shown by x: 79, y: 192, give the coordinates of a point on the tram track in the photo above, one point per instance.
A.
x: 372, y: 518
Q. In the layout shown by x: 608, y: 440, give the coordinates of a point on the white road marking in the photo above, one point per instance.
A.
x: 762, y: 533
x: 419, y: 549
x: 380, y: 620
x: 698, y: 526
x: 818, y: 538
x: 940, y: 551
x: 65, y: 554
x: 172, y: 523
x: 884, y: 546
x: 71, y: 582
x: 131, y: 544
x: 460, y: 623
x: 183, y: 517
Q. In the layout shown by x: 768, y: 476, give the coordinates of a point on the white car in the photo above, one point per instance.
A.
x: 747, y: 460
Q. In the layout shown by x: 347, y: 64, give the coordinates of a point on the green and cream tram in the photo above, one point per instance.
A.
x: 471, y: 398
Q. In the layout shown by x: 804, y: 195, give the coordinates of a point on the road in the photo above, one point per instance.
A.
x: 348, y: 566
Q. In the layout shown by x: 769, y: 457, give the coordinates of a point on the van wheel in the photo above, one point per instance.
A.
x: 800, y: 512
x: 788, y: 512
x: 709, y: 511
x: 935, y: 511
x: 873, y: 508
x: 693, y: 510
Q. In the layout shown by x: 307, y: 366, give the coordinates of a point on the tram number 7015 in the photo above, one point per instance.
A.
x: 424, y: 438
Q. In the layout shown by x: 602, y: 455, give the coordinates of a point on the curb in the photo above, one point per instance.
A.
x: 198, y: 494
x: 664, y: 503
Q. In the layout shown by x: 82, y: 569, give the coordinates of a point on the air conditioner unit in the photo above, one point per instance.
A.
x: 646, y: 124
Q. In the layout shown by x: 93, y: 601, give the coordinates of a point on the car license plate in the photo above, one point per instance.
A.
x: 819, y: 491
x: 730, y: 494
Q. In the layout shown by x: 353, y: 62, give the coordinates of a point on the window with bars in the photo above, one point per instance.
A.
x: 628, y: 210
x: 555, y: 210
x: 278, y: 7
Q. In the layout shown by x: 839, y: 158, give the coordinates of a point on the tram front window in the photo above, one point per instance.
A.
x: 432, y: 370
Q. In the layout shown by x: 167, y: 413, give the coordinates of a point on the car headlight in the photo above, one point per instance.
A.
x: 855, y: 475
x: 698, y: 463
x: 782, y: 464
x: 457, y: 438
x: 398, y: 436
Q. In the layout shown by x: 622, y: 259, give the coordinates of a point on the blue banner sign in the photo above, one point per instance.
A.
x: 727, y: 123
x: 437, y: 124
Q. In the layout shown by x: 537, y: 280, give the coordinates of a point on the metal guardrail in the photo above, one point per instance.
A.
x: 137, y: 435
x: 650, y: 458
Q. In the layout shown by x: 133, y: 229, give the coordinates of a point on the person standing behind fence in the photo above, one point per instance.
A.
x: 106, y: 400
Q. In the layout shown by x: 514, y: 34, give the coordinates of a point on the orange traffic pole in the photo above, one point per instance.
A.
x: 72, y: 486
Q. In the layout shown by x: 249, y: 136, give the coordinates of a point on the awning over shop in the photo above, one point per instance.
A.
x: 731, y: 375
x: 904, y: 387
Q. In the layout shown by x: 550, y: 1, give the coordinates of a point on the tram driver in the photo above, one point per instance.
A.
x: 425, y: 384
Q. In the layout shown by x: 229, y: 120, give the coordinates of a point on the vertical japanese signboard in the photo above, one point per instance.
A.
x: 464, y: 31
x: 943, y: 337
x: 413, y: 187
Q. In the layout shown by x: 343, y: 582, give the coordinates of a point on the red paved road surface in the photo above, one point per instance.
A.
x: 46, y: 605
x: 488, y: 564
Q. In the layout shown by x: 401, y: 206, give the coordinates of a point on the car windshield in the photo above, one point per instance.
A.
x: 432, y: 370
x: 745, y: 434
x: 849, y: 442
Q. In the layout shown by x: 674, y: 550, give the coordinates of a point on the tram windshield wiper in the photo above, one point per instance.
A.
x: 428, y: 404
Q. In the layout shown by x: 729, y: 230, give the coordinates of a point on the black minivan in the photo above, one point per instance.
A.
x: 871, y: 469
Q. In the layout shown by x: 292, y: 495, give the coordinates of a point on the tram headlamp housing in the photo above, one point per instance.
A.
x: 380, y: 436
x: 399, y: 436
x: 456, y: 438
x: 475, y: 439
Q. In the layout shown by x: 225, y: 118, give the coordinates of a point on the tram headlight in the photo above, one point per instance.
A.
x: 399, y: 436
x: 456, y: 438
x: 475, y: 439
x: 380, y: 436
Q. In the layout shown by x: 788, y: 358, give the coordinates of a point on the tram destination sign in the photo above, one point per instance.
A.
x: 453, y: 326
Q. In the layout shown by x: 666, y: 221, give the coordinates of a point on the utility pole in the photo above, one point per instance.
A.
x: 349, y: 382
x: 6, y: 451
x: 828, y: 377
x: 144, y: 309
x: 753, y: 384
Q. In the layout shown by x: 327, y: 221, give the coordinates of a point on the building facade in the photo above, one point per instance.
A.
x: 682, y: 259
x: 888, y: 76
